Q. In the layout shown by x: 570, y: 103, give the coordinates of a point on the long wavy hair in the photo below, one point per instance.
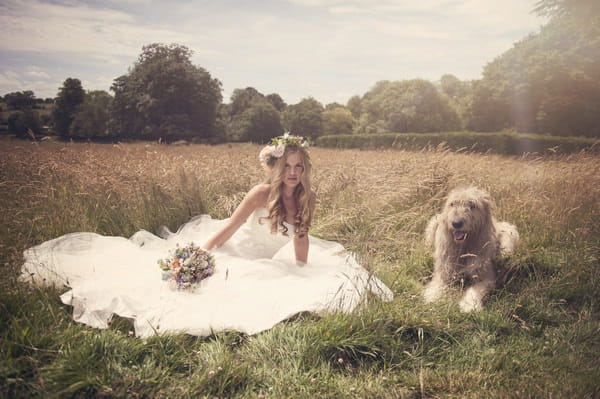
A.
x: 275, y: 206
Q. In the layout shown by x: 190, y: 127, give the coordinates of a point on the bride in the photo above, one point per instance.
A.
x: 264, y: 271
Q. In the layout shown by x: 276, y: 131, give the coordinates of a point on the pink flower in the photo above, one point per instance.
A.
x: 279, y: 150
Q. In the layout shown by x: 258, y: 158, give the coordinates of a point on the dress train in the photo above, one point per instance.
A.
x: 256, y: 283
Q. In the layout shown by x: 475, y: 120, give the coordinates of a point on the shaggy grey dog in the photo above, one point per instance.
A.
x: 466, y: 238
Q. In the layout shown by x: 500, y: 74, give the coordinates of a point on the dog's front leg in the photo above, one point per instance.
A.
x: 435, y: 288
x: 474, y: 296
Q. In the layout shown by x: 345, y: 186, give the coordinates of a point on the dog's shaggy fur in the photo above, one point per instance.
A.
x: 466, y: 239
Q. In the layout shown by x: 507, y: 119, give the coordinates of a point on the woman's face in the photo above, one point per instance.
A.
x: 293, y: 169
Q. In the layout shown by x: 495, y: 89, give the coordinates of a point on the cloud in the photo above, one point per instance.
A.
x: 10, y: 82
x: 36, y: 72
x: 46, y: 27
x: 323, y: 48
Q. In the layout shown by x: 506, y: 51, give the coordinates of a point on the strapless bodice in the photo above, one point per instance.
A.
x: 255, y: 240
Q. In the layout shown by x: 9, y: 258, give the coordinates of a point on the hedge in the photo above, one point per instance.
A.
x: 506, y: 143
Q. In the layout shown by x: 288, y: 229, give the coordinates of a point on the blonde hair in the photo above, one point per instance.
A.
x: 302, y: 194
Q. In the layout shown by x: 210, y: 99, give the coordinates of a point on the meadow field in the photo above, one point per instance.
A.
x: 538, y: 337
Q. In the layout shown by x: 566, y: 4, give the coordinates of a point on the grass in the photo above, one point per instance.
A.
x: 537, y: 337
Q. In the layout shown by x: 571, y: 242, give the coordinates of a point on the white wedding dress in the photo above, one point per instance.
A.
x: 256, y: 283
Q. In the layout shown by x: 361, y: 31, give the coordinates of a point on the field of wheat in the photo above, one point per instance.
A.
x: 539, y: 335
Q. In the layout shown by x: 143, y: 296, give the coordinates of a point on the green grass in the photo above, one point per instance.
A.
x: 537, y: 337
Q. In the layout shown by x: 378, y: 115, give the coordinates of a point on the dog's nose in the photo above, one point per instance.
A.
x: 458, y: 223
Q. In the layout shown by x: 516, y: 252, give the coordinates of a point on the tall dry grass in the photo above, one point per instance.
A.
x: 537, y: 337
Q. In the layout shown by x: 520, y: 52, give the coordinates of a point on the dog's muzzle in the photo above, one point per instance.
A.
x: 457, y: 234
x: 458, y: 223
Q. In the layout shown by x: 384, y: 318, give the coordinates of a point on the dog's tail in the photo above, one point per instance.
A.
x: 508, y: 238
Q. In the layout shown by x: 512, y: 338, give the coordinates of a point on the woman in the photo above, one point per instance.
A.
x: 286, y: 196
x: 256, y: 284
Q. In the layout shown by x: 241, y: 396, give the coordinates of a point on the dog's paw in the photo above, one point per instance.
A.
x: 471, y: 302
x: 432, y: 293
x: 508, y: 238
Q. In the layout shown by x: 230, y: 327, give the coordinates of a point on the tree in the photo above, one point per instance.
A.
x: 489, y: 110
x: 242, y: 99
x: 333, y: 105
x: 20, y: 99
x: 165, y: 95
x: 24, y: 122
x: 406, y: 106
x: 460, y: 96
x: 353, y: 105
x: 549, y: 82
x: 370, y: 117
x: 251, y: 116
x: 304, y: 118
x: 338, y: 120
x: 92, y: 116
x: 452, y: 86
x: 586, y: 11
x: 69, y: 97
x: 276, y: 100
x: 258, y: 123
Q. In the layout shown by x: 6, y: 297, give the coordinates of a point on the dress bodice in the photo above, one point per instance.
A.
x: 255, y: 240
x: 260, y: 217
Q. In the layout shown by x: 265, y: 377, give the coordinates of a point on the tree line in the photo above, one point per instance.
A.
x: 549, y: 82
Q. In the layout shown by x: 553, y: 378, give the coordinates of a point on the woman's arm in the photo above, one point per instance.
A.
x: 255, y: 198
x: 301, y: 243
x: 301, y: 249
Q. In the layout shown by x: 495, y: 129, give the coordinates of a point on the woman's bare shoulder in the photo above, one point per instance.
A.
x: 260, y: 192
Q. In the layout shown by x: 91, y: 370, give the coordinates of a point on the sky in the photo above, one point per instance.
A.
x: 330, y: 50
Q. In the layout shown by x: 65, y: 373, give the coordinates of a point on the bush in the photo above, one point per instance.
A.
x: 21, y: 122
x: 506, y: 143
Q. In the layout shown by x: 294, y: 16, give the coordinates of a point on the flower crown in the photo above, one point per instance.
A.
x: 276, y: 148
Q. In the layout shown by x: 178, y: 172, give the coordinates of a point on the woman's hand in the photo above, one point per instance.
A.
x: 301, y: 242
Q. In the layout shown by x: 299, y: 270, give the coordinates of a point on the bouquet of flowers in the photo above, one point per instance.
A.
x: 187, y: 266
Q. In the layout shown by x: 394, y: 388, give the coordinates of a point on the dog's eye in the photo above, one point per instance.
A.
x: 471, y: 205
x: 452, y: 203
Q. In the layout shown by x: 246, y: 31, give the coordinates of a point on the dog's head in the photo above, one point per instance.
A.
x: 467, y: 212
